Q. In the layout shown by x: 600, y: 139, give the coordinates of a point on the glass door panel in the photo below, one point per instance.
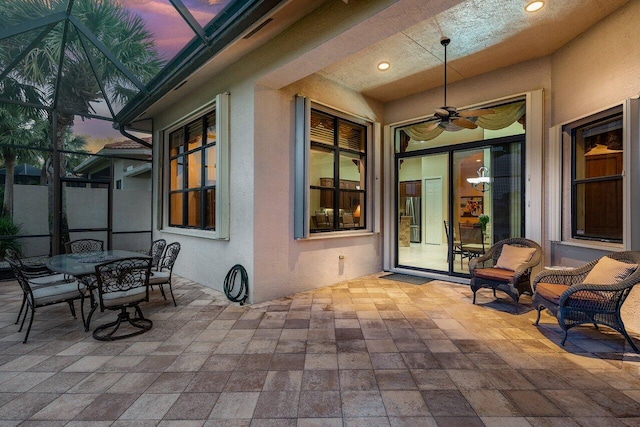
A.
x: 423, y: 208
x: 487, y: 200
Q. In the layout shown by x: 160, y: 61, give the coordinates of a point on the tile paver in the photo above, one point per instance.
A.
x: 366, y: 352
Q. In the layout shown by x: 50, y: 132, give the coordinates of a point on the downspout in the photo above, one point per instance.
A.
x: 133, y: 137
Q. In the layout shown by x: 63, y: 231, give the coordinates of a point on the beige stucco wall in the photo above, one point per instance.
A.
x: 591, y: 73
x: 262, y: 86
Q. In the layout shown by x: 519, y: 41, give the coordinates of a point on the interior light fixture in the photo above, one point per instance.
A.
x: 481, y: 182
x: 534, y: 6
x: 384, y: 66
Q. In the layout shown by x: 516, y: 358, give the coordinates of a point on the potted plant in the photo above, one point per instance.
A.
x: 484, y: 220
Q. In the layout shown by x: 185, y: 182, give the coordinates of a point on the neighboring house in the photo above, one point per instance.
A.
x: 292, y: 161
x: 23, y: 174
x: 131, y: 165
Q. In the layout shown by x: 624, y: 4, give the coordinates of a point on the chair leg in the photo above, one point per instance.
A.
x: 540, y: 308
x: 474, y: 297
x: 564, y: 338
x: 94, y: 305
x: 162, y: 291
x: 73, y: 309
x: 172, y: 297
x: 141, y: 323
x: 628, y: 338
x: 29, y: 327
x: 24, y: 302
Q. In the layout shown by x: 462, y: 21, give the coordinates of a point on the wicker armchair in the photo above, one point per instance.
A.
x: 513, y: 283
x: 574, y: 303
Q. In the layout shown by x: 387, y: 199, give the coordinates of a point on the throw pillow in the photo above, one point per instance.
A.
x: 608, y: 271
x: 513, y: 257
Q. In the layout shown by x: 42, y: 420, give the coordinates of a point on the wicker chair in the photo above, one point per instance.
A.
x: 513, y: 283
x: 574, y: 303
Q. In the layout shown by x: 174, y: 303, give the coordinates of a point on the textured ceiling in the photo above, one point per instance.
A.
x: 485, y: 35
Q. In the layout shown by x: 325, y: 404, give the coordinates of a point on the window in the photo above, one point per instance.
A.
x: 332, y: 172
x: 197, y: 172
x: 597, y: 151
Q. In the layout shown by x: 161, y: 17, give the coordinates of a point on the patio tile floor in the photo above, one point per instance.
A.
x: 366, y: 352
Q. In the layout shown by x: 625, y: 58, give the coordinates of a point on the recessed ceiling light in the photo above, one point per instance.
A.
x: 384, y: 66
x: 534, y: 6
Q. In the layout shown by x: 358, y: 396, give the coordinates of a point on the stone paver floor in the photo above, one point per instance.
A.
x: 366, y: 352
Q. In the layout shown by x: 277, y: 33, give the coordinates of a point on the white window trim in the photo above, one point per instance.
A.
x: 221, y: 106
x: 560, y: 198
x: 302, y: 231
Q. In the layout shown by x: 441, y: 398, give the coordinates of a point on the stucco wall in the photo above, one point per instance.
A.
x: 593, y: 72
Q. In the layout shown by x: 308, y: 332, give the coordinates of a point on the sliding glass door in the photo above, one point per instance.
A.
x: 454, y: 202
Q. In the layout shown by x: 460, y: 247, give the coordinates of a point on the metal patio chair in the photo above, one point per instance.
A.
x: 123, y: 284
x: 84, y: 245
x: 162, y: 276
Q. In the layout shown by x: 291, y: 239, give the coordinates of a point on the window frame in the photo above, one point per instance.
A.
x: 221, y: 144
x: 302, y: 212
x: 561, y: 221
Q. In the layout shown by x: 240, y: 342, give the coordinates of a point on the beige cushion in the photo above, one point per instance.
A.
x: 120, y: 298
x: 49, y: 280
x: 56, y: 293
x: 608, y: 271
x: 513, y: 257
x: 159, y: 277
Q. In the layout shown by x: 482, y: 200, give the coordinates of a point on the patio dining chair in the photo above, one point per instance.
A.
x: 47, y: 291
x: 156, y: 251
x: 38, y: 275
x: 162, y: 276
x: 83, y: 246
x: 123, y: 284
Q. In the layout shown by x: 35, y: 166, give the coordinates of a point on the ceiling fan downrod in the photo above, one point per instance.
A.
x: 444, y: 41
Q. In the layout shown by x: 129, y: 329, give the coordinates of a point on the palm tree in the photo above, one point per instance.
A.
x: 102, y: 54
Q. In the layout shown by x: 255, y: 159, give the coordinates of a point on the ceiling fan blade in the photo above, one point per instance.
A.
x: 475, y: 113
x: 441, y: 112
x: 464, y: 123
x: 432, y: 126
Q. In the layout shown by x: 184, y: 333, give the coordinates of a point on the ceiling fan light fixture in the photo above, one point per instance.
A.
x: 384, y: 66
x: 534, y: 6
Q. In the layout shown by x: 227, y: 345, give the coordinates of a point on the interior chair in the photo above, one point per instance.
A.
x: 156, y: 251
x: 591, y: 294
x: 162, y: 276
x: 506, y: 267
x: 37, y: 274
x: 83, y: 246
x: 322, y: 220
x: 123, y: 284
x: 347, y: 220
x: 48, y: 291
x: 471, y: 241
x: 457, y: 249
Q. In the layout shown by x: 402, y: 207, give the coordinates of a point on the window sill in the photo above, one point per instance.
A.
x: 591, y: 245
x: 338, y: 234
x: 203, y: 234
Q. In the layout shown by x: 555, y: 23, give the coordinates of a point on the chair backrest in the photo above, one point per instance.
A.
x: 470, y: 234
x: 122, y: 276
x: 347, y: 220
x: 496, y: 250
x: 170, y: 256
x: 156, y: 251
x: 18, y: 272
x: 84, y: 245
x: 11, y: 254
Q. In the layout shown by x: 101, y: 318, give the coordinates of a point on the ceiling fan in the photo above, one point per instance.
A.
x: 447, y: 115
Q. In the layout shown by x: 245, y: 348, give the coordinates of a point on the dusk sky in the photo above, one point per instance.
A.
x: 171, y: 34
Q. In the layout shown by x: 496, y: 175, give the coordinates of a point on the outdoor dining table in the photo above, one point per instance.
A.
x: 82, y: 266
